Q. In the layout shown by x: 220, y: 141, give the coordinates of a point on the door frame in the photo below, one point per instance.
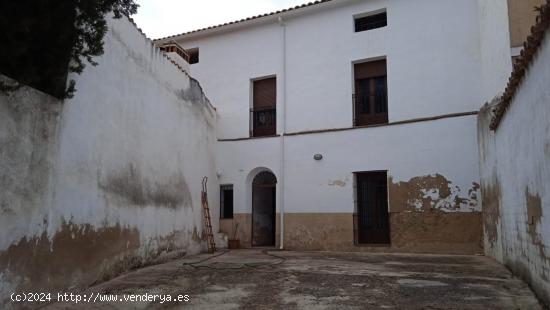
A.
x: 356, y: 208
x: 274, y: 214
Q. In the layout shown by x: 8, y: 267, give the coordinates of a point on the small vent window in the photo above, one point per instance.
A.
x: 226, y: 201
x: 371, y: 22
x: 193, y: 55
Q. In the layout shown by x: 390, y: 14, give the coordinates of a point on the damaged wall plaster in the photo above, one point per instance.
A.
x: 108, y: 180
x: 515, y: 173
x: 431, y: 192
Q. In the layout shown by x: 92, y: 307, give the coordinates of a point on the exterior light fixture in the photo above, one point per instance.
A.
x: 317, y: 156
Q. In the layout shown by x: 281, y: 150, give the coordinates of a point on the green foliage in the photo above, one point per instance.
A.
x: 43, y: 40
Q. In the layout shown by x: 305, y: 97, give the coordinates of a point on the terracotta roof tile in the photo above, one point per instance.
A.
x: 248, y: 19
x: 530, y: 48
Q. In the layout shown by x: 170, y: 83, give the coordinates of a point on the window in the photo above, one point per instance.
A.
x: 226, y: 201
x: 193, y: 55
x: 370, y: 22
x: 370, y: 100
x: 263, y: 115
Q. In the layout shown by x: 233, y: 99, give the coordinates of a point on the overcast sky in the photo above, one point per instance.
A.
x: 161, y: 18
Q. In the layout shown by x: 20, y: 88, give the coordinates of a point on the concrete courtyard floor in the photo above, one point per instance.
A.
x: 262, y: 279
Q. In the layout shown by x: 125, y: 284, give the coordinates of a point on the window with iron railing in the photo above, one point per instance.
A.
x: 263, y: 115
x: 263, y: 122
x: 370, y: 101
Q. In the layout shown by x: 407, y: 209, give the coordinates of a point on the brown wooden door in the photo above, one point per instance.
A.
x: 372, y: 220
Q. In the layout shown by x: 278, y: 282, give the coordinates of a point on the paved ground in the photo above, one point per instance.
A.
x: 261, y: 279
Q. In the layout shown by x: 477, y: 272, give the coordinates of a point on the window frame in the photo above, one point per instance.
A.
x: 373, y: 115
x: 223, y: 189
x: 369, y: 15
x: 263, y: 117
x: 192, y: 52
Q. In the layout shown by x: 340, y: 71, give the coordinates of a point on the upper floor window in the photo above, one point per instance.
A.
x: 371, y: 21
x: 193, y: 55
x: 370, y: 101
x: 263, y: 115
x: 226, y: 201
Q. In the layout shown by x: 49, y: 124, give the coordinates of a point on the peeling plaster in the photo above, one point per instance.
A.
x: 77, y: 254
x: 491, y: 197
x: 534, y: 216
x: 339, y: 183
x: 431, y: 192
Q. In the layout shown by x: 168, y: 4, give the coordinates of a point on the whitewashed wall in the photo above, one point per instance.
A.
x: 433, y: 48
x: 517, y: 157
x: 437, y: 65
x: 107, y: 180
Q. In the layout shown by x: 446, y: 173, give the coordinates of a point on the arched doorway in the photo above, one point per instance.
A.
x: 263, y: 209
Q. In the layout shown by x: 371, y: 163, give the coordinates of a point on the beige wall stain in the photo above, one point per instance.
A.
x: 339, y: 183
x: 534, y: 216
x: 77, y: 254
x: 522, y: 17
x: 490, y: 194
x: 429, y: 192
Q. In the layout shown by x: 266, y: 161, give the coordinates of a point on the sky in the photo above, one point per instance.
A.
x: 161, y: 18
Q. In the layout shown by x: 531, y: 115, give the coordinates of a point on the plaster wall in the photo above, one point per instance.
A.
x: 432, y: 168
x: 515, y: 174
x: 437, y: 65
x: 433, y: 50
x: 108, y: 180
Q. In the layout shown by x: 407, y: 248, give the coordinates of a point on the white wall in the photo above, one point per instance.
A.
x: 326, y: 186
x: 521, y: 148
x: 119, y: 166
x: 436, y: 66
x: 436, y: 61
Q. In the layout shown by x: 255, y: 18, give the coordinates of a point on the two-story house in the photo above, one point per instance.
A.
x: 351, y: 124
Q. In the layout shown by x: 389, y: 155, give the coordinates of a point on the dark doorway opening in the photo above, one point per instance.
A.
x: 263, y: 209
x: 371, y: 219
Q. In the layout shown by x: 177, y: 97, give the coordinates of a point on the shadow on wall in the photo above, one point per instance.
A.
x: 129, y: 188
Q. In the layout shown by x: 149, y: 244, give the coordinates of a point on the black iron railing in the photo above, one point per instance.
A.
x: 369, y: 110
x: 263, y: 122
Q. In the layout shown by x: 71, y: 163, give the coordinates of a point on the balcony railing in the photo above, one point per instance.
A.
x: 173, y: 47
x: 369, y: 110
x: 263, y: 122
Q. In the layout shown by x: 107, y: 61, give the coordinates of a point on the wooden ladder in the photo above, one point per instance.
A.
x: 207, y: 222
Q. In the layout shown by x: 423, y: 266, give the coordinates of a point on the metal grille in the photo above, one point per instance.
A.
x: 371, y: 22
x: 371, y: 219
x: 263, y: 122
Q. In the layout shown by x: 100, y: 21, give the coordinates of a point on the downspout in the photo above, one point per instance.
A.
x: 283, y: 132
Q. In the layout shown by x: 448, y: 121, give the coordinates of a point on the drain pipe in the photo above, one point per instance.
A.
x: 283, y: 131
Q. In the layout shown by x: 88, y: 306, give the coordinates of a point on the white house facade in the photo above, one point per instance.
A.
x: 351, y: 125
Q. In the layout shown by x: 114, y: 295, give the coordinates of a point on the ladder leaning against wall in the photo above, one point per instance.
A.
x: 207, y: 220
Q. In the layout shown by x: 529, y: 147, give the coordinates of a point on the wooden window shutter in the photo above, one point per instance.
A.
x: 265, y: 93
x: 370, y: 69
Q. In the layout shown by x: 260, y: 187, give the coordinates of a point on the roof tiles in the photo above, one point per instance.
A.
x: 249, y: 18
